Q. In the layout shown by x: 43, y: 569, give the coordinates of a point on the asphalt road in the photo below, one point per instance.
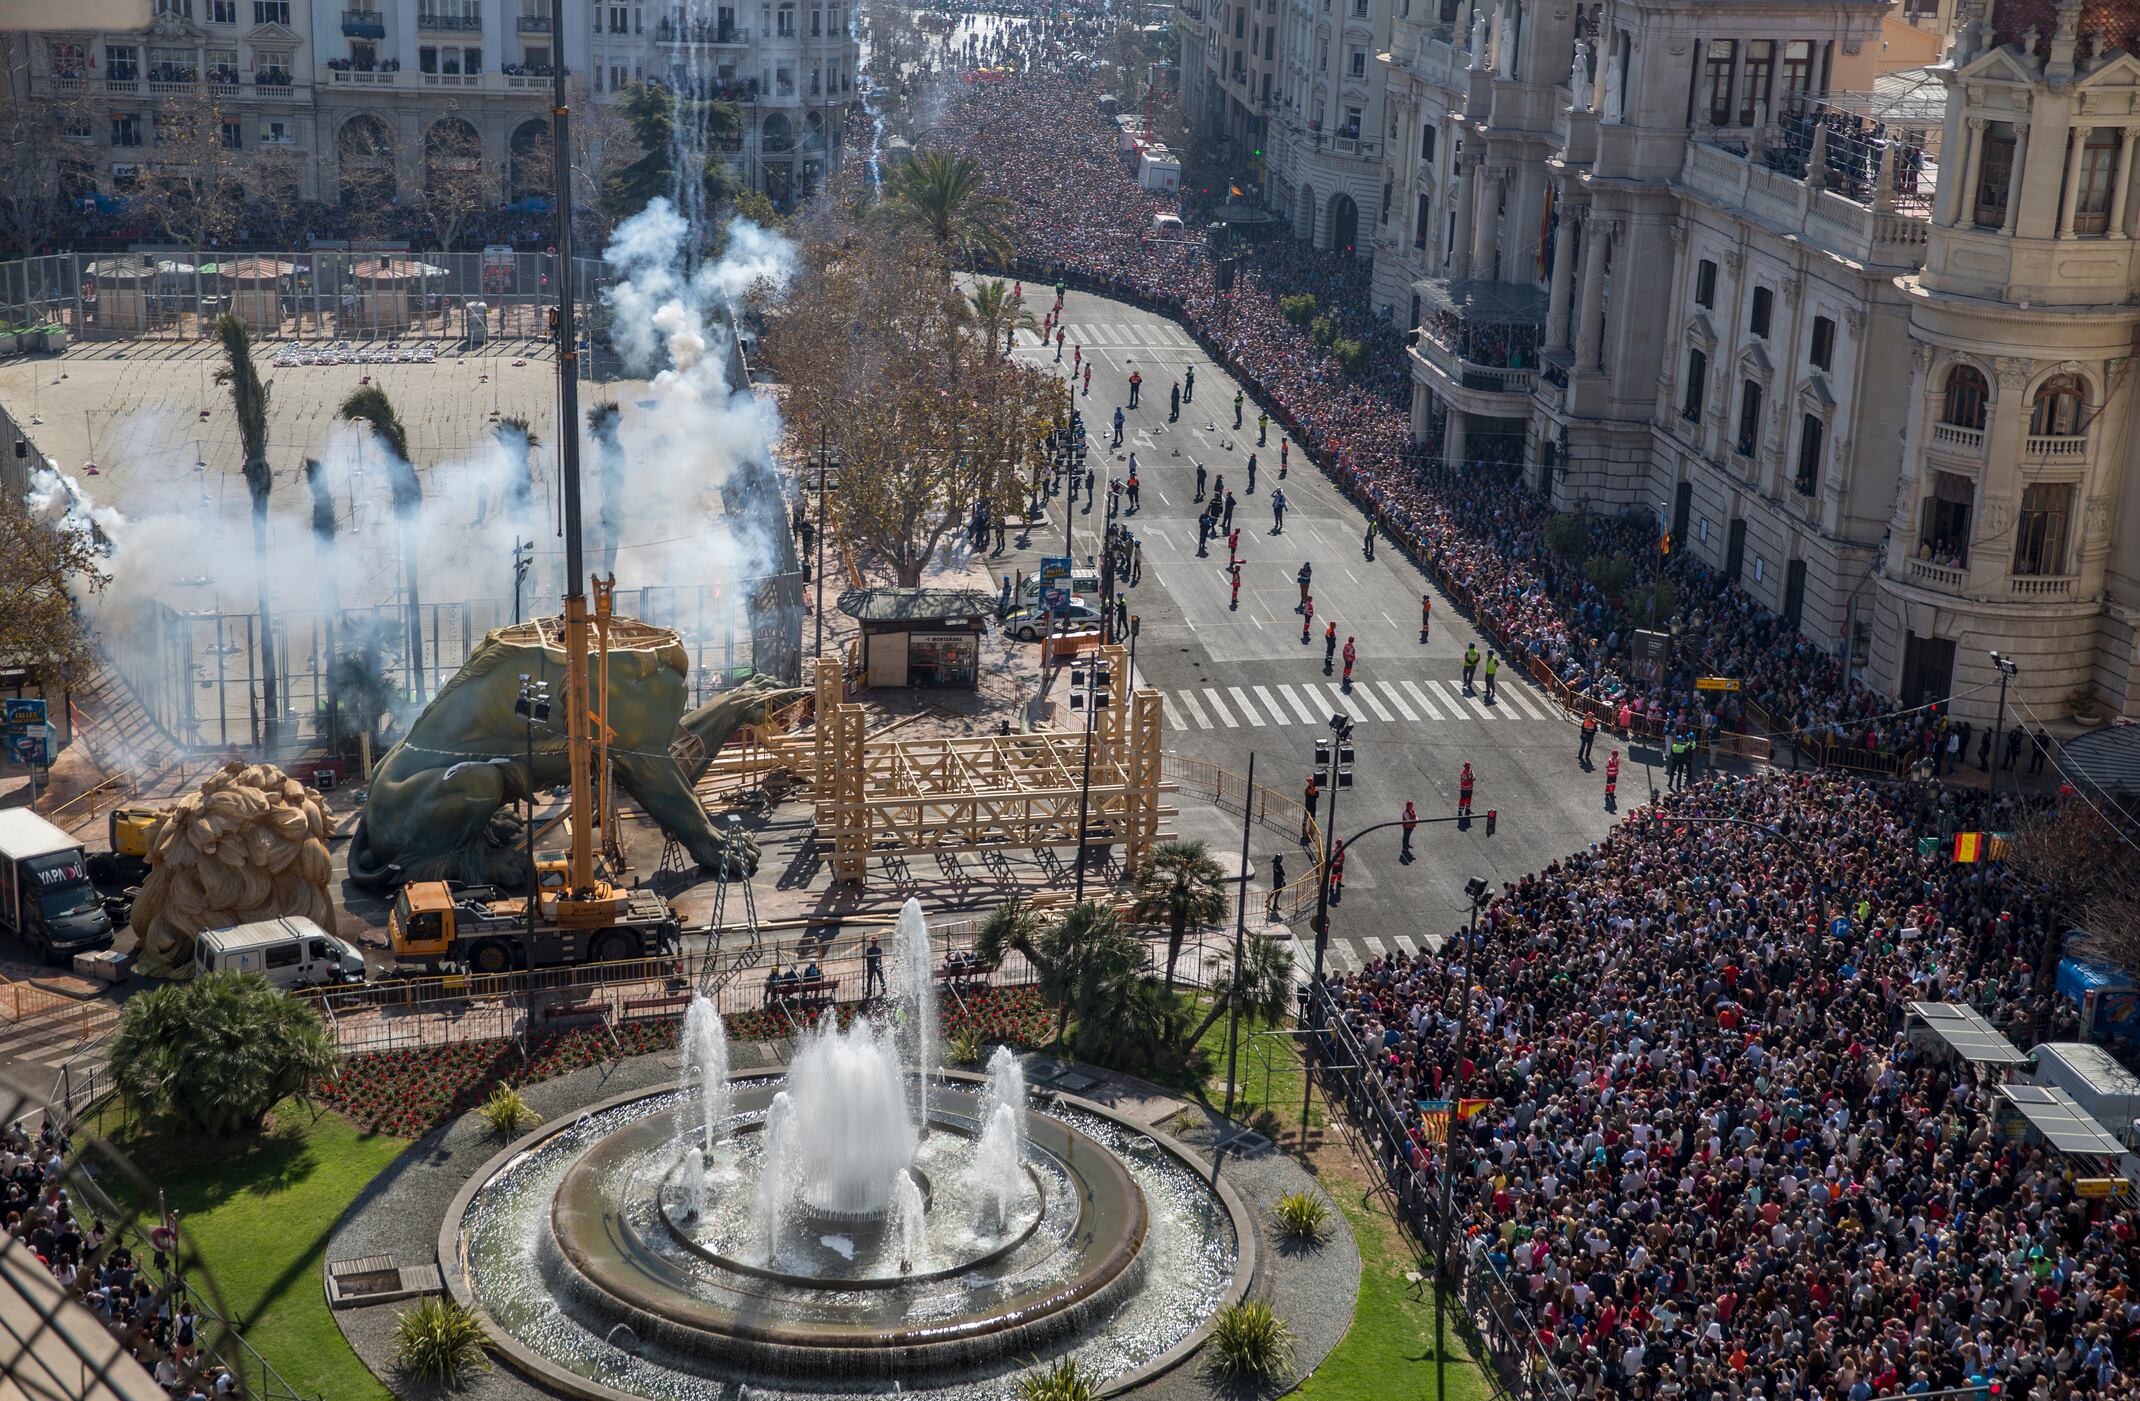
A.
x: 1238, y: 680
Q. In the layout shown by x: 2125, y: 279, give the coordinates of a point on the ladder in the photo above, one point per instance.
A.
x: 719, y: 971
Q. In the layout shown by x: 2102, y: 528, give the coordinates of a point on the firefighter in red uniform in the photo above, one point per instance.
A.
x: 1464, y: 783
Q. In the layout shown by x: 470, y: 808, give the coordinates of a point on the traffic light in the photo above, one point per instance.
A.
x: 1491, y: 818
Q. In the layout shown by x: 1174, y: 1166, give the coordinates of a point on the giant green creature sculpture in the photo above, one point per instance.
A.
x: 440, y: 802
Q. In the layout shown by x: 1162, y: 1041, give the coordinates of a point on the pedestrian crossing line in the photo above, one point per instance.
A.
x: 1174, y: 717
x: 1534, y: 707
x: 1426, y: 706
x: 1396, y: 698
x: 1270, y: 703
x: 1456, y: 688
x: 1196, y: 712
x: 1218, y: 708
x: 1344, y: 702
x: 1248, y: 707
x: 1367, y: 693
x: 1506, y: 697
x: 1300, y: 707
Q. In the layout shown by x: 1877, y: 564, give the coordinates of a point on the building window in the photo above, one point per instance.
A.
x: 1426, y: 142
x: 1995, y: 172
x: 1823, y: 355
x: 222, y: 11
x: 1967, y: 396
x: 1385, y: 203
x: 2060, y: 409
x: 122, y: 63
x: 1422, y: 213
x: 1705, y: 285
x: 1810, y: 434
x: 1270, y: 52
x: 233, y: 133
x: 171, y: 66
x: 817, y: 23
x: 1351, y: 130
x: 2040, y: 541
x: 1690, y: 408
x: 126, y: 128
x: 271, y: 66
x: 1359, y: 63
x: 183, y: 9
x: 1764, y: 307
x: 1749, y: 417
x: 2099, y: 159
x: 68, y: 60
x: 1716, y: 78
x: 1753, y: 78
x: 1240, y: 24
x: 1943, y: 528
x: 1797, y: 66
x: 276, y: 133
x: 272, y: 12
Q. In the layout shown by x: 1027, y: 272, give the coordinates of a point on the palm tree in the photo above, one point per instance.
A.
x: 1264, y: 981
x: 1179, y: 885
x: 324, y: 530
x: 938, y: 195
x: 217, y: 1053
x: 250, y: 398
x: 370, y: 406
x: 999, y: 314
x: 1082, y: 946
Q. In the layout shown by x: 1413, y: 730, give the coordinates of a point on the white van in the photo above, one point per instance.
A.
x: 1081, y: 581
x: 290, y: 952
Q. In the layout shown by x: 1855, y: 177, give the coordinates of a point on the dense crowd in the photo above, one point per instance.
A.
x: 1709, y: 1163
x: 1077, y: 212
x: 120, y: 223
x: 159, y: 1326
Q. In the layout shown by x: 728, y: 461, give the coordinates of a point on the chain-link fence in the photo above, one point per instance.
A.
x: 314, y: 294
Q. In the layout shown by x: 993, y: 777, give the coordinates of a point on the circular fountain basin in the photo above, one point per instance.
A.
x: 1117, y: 1252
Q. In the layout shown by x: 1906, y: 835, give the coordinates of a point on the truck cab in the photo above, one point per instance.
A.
x: 46, y: 897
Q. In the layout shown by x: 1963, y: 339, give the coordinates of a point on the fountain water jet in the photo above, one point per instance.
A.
x: 776, y: 1187
x: 997, y: 1169
x: 706, y: 1053
x: 691, y: 1184
x: 1006, y: 1087
x: 914, y: 983
x: 848, y: 1102
x: 908, y: 1225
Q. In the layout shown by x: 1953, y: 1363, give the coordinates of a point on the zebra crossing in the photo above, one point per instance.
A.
x: 1227, y: 707
x: 1349, y: 954
x: 44, y: 1041
x: 1106, y: 335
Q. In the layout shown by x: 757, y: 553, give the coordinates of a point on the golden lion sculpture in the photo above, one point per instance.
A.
x: 250, y: 845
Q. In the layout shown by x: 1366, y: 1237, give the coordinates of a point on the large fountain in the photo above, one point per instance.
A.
x: 858, y: 1223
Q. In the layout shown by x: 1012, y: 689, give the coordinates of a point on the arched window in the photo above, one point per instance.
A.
x: 1967, y: 394
x: 2060, y: 409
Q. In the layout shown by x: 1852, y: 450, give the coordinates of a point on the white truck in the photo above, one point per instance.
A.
x: 290, y: 952
x: 46, y: 898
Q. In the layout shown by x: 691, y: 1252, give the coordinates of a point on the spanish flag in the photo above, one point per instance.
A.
x: 1467, y: 1108
x: 1968, y: 846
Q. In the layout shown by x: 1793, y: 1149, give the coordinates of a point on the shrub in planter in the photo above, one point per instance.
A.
x: 439, y: 1342
x: 1062, y: 1380
x: 1249, y: 1343
x: 508, y: 1113
x: 1302, y: 1217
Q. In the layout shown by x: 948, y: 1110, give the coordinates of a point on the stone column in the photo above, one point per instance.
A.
x: 1486, y: 221
x: 2121, y: 185
x: 1453, y: 438
x: 1590, y: 326
x: 2076, y: 146
x: 2013, y: 179
x: 1460, y: 242
x: 1563, y: 280
x: 1738, y: 76
x: 1972, y: 163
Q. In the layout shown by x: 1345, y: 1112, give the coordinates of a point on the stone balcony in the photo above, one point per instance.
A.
x: 1823, y: 217
x: 1477, y: 346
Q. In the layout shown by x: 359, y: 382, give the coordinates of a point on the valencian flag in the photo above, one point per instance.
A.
x: 1434, y: 1116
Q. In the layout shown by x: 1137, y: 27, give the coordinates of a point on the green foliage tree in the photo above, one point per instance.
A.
x: 371, y: 407
x: 1322, y: 330
x: 249, y: 397
x: 999, y: 313
x: 1180, y: 885
x: 1566, y: 536
x: 217, y: 1053
x: 1298, y: 309
x: 1264, y: 984
x: 938, y: 195
x: 1651, y: 603
x: 1350, y: 354
x: 1610, y: 573
x: 652, y: 114
x: 43, y: 567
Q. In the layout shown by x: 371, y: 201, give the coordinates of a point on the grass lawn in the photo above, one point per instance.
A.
x: 259, y: 1210
x: 1389, y: 1350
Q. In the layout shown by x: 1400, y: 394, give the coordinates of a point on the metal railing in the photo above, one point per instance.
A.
x: 1497, y: 1319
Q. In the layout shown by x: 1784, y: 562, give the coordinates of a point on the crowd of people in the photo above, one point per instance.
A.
x: 1078, y: 213
x: 1704, y: 1156
x: 151, y: 1318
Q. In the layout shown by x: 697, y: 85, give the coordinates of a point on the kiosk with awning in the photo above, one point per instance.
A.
x: 1963, y: 1033
x: 2051, y: 1114
x: 920, y: 637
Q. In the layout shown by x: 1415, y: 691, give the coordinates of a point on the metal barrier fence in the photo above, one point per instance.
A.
x: 311, y: 294
x: 1274, y: 812
x: 1498, y: 1319
x: 197, y: 674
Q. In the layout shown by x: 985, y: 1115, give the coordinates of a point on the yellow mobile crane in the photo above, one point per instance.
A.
x: 583, y: 916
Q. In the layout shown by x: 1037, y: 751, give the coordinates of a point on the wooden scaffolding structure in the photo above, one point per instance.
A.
x: 977, y: 793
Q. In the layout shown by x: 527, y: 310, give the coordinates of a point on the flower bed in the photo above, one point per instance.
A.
x: 406, y: 1092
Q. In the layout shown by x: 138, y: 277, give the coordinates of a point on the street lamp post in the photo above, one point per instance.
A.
x: 1096, y: 696
x: 824, y: 464
x: 1336, y: 762
x: 533, y: 704
x: 1998, y: 734
x: 1478, y: 891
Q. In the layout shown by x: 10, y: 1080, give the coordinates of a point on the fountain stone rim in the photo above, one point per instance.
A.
x: 533, y: 1364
